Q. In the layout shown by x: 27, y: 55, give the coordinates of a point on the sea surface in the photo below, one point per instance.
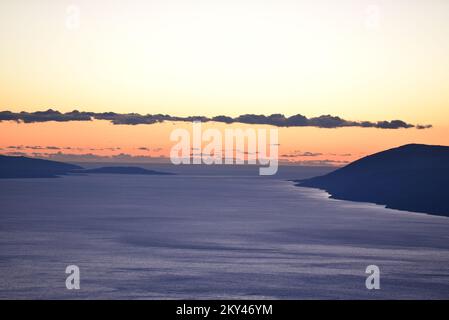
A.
x: 211, y: 233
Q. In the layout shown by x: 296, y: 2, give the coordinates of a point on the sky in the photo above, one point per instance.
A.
x: 362, y: 60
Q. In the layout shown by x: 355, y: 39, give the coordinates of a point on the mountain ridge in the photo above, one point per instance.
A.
x: 23, y: 167
x: 412, y: 177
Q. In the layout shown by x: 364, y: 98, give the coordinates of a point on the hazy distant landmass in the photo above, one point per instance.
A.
x: 123, y: 170
x: 23, y: 167
x: 412, y: 177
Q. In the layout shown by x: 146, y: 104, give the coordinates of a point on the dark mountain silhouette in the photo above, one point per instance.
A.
x: 23, y: 167
x: 122, y: 170
x: 412, y: 177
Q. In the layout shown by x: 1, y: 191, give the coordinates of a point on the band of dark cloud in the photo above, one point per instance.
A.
x: 279, y: 120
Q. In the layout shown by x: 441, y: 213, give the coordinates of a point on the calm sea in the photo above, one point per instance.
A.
x: 214, y: 232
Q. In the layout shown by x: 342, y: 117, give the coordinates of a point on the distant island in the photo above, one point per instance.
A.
x: 23, y: 167
x: 412, y: 177
x: 122, y: 170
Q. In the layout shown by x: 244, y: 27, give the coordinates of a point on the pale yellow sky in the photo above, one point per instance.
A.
x: 361, y: 60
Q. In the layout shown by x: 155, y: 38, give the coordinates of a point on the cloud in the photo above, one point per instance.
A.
x: 34, y: 147
x: 16, y: 154
x: 420, y: 126
x: 149, y: 149
x: 309, y: 154
x: 393, y: 124
x: 140, y: 159
x: 279, y: 120
x: 298, y: 153
x: 324, y: 162
x: 43, y: 116
x: 90, y: 157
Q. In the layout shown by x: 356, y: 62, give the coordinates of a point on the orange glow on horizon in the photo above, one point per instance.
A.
x: 102, y: 138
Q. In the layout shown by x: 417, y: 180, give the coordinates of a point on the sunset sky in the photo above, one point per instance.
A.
x: 361, y: 60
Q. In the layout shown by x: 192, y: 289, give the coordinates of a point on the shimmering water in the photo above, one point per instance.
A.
x: 215, y: 235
